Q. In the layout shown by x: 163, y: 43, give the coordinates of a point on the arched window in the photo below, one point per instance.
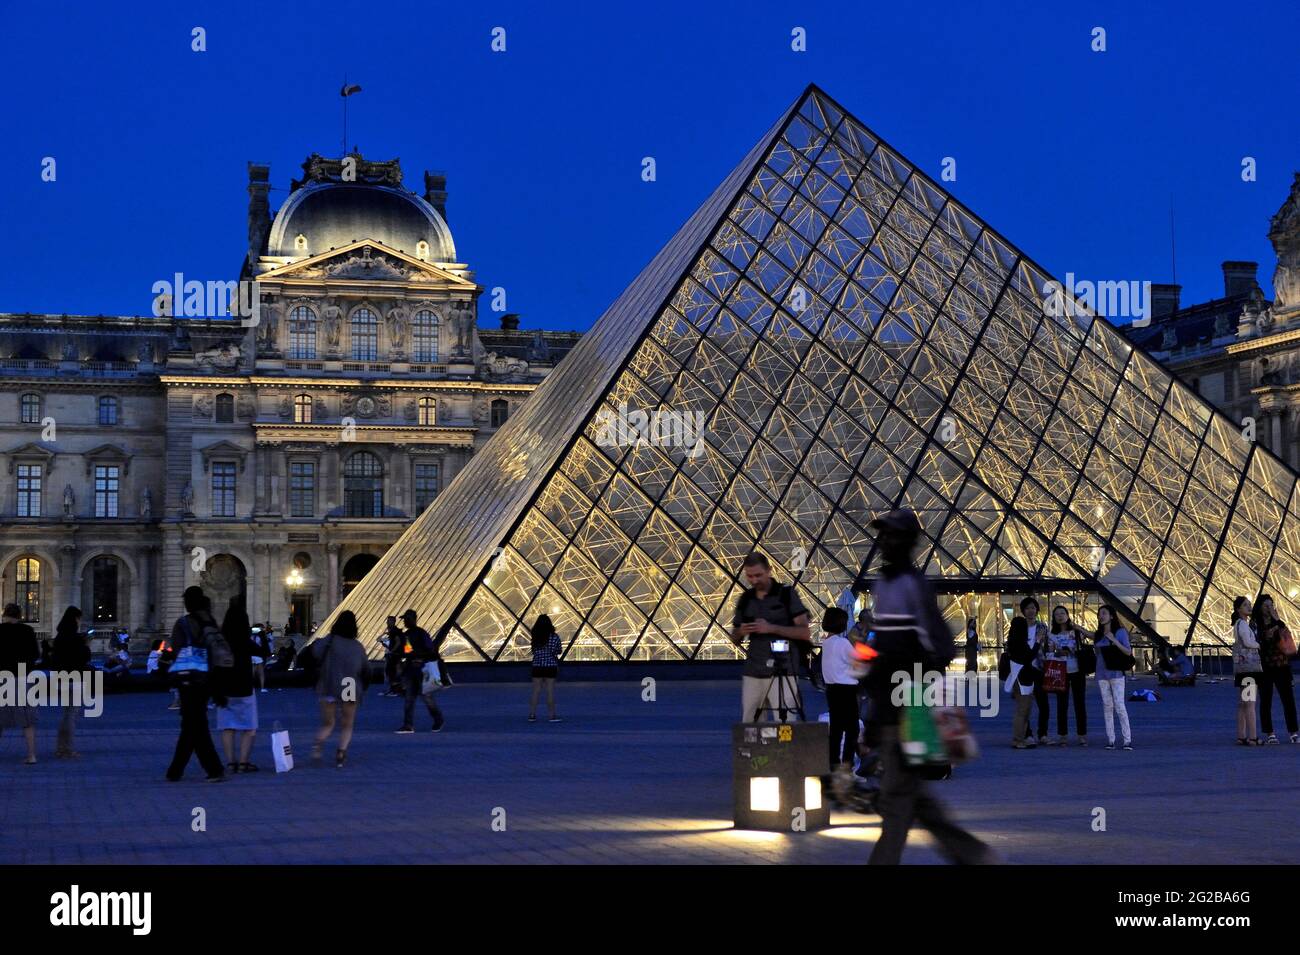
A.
x: 302, y: 333
x: 302, y: 409
x: 108, y: 410
x: 424, y: 336
x: 103, y: 589
x: 365, y: 335
x: 27, y: 588
x: 356, y: 568
x: 427, y: 410
x: 363, y: 486
x: 225, y: 408
x: 500, y: 412
x: 31, y: 409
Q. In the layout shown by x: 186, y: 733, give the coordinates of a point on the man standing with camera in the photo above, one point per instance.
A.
x: 770, y: 616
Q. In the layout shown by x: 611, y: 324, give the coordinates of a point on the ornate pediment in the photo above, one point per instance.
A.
x: 107, y: 454
x: 31, y: 451
x: 223, y: 449
x: 365, y: 260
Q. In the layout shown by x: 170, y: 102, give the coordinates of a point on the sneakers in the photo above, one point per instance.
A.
x: 340, y: 758
x: 554, y: 719
x: 437, y: 729
x: 1295, y: 737
x: 1044, y: 741
x: 1110, y: 745
x: 1272, y: 739
x: 1018, y: 745
x: 1128, y: 747
x: 532, y: 718
x: 406, y: 731
x: 1083, y: 741
x: 1062, y: 741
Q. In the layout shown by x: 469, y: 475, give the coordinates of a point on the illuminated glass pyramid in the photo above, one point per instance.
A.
x: 855, y: 340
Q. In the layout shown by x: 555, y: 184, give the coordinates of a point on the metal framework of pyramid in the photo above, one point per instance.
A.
x: 856, y: 340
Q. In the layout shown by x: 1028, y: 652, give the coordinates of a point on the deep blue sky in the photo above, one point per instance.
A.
x: 1073, y: 155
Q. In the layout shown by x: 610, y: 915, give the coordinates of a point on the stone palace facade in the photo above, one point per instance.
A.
x: 279, y: 452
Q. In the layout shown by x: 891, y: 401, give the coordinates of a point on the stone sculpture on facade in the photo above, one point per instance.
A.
x: 1284, y: 233
x: 396, y: 324
x: 462, y: 326
x: 538, y: 350
x: 146, y: 504
x: 332, y: 321
x: 268, y: 329
x: 69, y: 501
x: 187, y: 499
x: 224, y: 357
x: 504, y: 366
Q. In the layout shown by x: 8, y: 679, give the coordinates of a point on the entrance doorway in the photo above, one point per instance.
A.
x: 300, y: 621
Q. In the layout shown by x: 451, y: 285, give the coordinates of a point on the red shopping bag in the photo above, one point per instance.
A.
x: 1055, y: 678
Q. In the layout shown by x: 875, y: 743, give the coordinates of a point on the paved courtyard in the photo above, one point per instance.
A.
x: 623, y: 781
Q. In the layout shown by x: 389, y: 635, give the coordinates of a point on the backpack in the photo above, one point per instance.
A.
x: 220, y: 656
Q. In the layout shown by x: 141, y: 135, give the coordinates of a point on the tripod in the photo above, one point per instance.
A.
x: 780, y: 674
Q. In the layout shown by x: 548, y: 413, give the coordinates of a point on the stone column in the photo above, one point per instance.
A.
x: 332, y: 594
x: 140, y: 590
x: 276, y: 477
x: 331, y: 492
x: 71, y: 581
x: 260, y: 479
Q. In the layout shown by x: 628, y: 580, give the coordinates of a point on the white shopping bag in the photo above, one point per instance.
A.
x: 281, y: 749
x: 431, y: 679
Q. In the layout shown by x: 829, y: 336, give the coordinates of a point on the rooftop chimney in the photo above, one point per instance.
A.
x: 1239, y: 278
x: 259, y: 209
x: 510, y: 322
x: 1164, y: 299
x: 435, y: 192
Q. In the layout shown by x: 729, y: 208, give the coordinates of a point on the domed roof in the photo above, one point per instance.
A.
x: 330, y: 215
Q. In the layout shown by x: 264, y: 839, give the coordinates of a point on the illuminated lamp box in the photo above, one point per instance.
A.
x: 776, y: 771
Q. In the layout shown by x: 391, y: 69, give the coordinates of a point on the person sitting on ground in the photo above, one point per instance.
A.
x: 117, y: 665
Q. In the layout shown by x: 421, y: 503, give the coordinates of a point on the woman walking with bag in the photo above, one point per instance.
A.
x: 1276, y: 647
x: 1247, y: 670
x: 1070, y: 666
x: 343, y: 675
x: 1114, y: 657
x: 546, y: 649
x: 71, y: 656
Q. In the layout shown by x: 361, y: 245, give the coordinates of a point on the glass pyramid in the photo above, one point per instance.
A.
x: 854, y: 340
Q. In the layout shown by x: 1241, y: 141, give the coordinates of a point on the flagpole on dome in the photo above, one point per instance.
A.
x: 345, y: 91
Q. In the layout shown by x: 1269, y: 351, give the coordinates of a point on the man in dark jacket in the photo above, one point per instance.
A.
x: 910, y: 630
x: 423, y: 649
x: 769, y: 615
x: 195, y: 736
x: 18, y: 648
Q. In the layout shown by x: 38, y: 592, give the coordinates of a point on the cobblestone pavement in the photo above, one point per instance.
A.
x: 624, y: 781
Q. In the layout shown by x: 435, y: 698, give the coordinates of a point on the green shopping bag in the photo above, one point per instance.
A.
x: 918, y: 736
